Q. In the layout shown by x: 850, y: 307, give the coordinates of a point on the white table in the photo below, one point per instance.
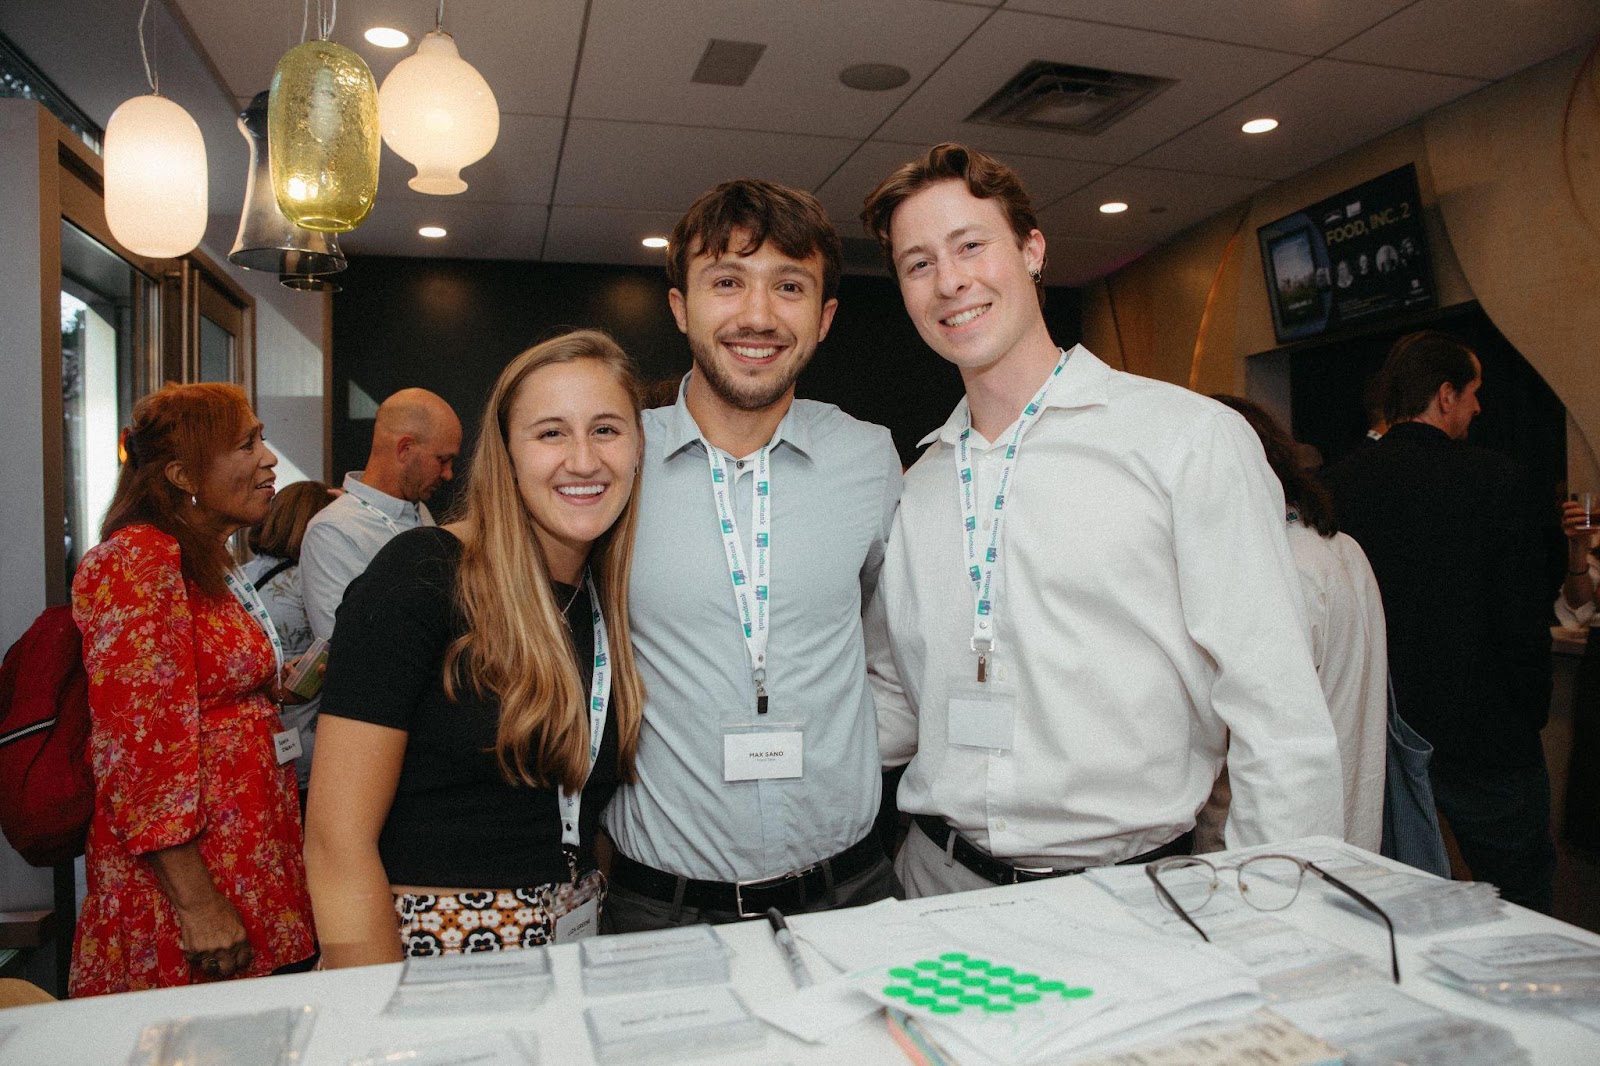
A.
x: 102, y: 1031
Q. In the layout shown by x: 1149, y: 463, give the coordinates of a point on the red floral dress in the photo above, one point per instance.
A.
x: 181, y: 742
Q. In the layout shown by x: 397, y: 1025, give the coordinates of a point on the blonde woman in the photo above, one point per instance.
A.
x: 481, y: 702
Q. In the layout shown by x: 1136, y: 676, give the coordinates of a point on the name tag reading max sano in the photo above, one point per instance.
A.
x: 762, y: 756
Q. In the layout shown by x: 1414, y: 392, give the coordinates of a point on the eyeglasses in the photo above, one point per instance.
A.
x: 1186, y: 883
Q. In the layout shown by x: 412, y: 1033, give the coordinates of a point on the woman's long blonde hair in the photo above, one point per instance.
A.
x: 516, y: 645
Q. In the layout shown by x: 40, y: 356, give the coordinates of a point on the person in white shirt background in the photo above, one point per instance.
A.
x: 1064, y: 691
x: 1344, y: 610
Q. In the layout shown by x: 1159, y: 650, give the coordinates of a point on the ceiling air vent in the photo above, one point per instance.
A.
x: 727, y: 62
x: 1066, y: 99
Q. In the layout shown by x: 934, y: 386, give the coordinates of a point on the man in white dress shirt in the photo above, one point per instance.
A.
x: 1087, y: 588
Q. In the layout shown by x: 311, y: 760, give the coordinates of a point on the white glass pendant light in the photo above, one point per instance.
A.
x: 155, y: 173
x: 437, y: 113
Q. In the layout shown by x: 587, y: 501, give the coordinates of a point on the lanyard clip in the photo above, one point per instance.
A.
x: 983, y: 648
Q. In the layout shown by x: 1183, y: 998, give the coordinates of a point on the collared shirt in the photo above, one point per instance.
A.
x: 1345, y: 612
x: 341, y: 539
x: 1146, y: 606
x: 281, y: 597
x: 835, y: 482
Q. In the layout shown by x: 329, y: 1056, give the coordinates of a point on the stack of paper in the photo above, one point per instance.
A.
x: 1538, y: 968
x: 478, y: 982
x: 649, y: 962
x: 1417, y: 903
x: 1377, y: 1025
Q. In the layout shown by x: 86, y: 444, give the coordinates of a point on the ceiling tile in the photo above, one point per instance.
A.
x: 663, y: 168
x: 1046, y: 180
x: 606, y: 235
x: 1476, y: 38
x: 519, y: 169
x: 527, y: 61
x: 638, y: 59
x: 1371, y: 101
x: 1160, y: 204
x: 1210, y: 77
x: 476, y: 230
x: 1305, y: 28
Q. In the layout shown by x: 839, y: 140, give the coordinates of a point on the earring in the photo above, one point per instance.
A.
x: 1036, y: 276
x: 194, y: 501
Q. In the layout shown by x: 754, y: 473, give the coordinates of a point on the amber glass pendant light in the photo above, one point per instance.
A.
x: 322, y: 134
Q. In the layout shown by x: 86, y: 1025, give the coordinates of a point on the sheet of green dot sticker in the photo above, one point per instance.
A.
x: 955, y: 984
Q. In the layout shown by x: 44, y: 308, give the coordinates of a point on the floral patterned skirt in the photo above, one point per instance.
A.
x: 489, y: 919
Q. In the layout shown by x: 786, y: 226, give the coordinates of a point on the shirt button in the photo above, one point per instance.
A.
x: 999, y: 825
x: 739, y: 464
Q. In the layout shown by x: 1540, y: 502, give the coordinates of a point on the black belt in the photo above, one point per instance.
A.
x: 1001, y: 872
x: 792, y: 891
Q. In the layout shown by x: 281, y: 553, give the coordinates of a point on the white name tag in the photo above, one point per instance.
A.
x: 981, y: 721
x: 762, y: 756
x: 287, y: 745
x: 580, y: 922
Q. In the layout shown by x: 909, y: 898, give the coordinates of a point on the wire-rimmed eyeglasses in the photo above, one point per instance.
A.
x: 1186, y: 883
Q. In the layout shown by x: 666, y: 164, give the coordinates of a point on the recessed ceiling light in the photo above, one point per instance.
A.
x: 1260, y: 125
x: 1115, y: 207
x: 387, y: 37
x: 654, y: 242
x: 874, y: 77
x: 434, y: 232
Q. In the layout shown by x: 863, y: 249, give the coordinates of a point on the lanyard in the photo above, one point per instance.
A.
x: 599, y: 698
x: 245, y: 592
x: 394, y: 529
x: 981, y: 566
x: 750, y: 590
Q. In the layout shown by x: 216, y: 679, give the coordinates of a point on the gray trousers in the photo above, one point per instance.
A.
x: 925, y: 870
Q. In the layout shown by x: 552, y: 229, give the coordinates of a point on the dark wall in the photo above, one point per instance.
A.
x: 450, y: 324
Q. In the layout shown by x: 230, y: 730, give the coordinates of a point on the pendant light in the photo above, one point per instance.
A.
x: 322, y: 134
x: 267, y: 240
x: 438, y: 113
x: 155, y: 172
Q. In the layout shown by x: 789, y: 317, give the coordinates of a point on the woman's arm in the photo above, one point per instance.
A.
x: 353, y: 780
x: 1578, y: 592
x: 209, y: 930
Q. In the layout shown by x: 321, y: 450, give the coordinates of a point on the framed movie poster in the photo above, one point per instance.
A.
x: 1358, y: 255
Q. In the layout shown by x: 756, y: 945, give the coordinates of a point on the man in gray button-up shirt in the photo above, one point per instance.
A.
x: 758, y: 776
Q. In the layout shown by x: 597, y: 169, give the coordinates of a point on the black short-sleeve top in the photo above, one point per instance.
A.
x: 455, y: 821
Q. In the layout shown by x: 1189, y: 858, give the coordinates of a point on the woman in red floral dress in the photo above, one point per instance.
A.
x: 194, y: 863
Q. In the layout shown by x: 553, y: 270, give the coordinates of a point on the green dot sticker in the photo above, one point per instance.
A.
x: 956, y: 982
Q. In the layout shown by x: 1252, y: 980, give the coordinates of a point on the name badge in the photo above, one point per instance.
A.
x: 579, y: 923
x: 287, y: 745
x: 981, y: 715
x: 762, y: 756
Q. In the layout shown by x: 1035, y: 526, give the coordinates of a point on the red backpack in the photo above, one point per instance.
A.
x: 46, y: 783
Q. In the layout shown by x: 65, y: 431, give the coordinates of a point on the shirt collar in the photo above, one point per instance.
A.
x: 682, y: 430
x: 1084, y: 382
x: 389, y: 505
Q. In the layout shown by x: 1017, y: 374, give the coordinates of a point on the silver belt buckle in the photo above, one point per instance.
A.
x: 765, y: 882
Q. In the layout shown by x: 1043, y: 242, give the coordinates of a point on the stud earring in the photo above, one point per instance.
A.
x: 1036, y: 276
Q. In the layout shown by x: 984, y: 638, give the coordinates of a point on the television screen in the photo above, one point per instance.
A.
x: 1359, y: 255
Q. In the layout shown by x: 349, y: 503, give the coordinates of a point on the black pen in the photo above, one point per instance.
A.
x: 791, y: 950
